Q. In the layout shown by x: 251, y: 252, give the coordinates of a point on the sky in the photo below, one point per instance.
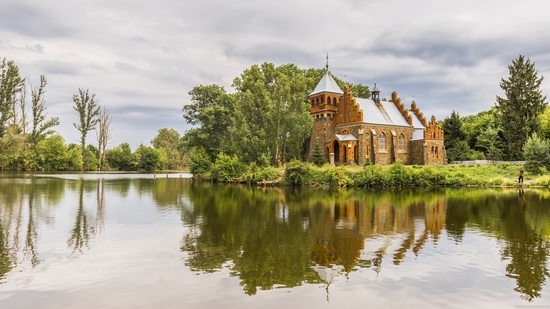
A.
x: 141, y: 58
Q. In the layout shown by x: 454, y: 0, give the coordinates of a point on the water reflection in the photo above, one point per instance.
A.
x: 282, y: 237
x: 270, y: 238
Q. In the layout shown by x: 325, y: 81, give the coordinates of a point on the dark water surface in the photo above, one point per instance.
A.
x: 134, y: 241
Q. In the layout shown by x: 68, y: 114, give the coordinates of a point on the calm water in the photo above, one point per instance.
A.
x: 134, y: 241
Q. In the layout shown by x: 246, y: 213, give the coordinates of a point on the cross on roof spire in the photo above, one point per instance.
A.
x: 327, y: 61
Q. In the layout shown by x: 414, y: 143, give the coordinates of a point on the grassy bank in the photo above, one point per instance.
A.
x: 298, y: 173
x: 399, y: 175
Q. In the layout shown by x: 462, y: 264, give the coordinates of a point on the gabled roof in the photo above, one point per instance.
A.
x: 327, y: 84
x: 347, y: 137
x: 417, y: 124
x: 417, y: 135
x: 384, y: 112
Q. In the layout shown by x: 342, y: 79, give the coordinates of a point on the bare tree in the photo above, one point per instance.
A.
x: 40, y: 127
x: 103, y: 134
x: 88, y: 110
x: 23, y: 110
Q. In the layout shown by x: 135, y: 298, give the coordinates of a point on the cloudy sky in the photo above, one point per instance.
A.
x: 141, y: 58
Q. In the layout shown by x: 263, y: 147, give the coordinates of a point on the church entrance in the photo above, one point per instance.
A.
x: 336, y: 147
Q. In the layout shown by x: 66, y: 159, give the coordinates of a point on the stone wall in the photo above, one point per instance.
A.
x: 323, y: 131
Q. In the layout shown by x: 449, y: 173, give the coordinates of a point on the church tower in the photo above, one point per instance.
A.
x: 324, y: 100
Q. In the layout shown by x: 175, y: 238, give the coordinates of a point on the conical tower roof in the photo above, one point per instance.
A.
x: 327, y: 84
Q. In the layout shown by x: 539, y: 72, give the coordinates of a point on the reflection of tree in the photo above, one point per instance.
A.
x: 80, y: 234
x: 32, y: 234
x: 520, y: 223
x: 121, y: 186
x: 167, y: 191
x: 264, y: 241
x: 527, y: 251
x: 5, y: 258
x: 100, y: 206
x: 274, y: 237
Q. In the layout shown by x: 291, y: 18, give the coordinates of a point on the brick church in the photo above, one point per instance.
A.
x: 361, y: 130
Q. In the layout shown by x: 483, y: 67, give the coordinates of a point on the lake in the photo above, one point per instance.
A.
x: 165, y: 241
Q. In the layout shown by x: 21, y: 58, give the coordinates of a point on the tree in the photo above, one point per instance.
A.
x: 40, y: 127
x: 521, y: 106
x: 167, y: 141
x: 211, y: 110
x: 53, y: 153
x: 11, y: 85
x: 88, y: 111
x: 148, y: 158
x: 103, y: 135
x: 545, y: 123
x: 318, y: 157
x: 537, y: 154
x: 452, y: 128
x: 121, y: 158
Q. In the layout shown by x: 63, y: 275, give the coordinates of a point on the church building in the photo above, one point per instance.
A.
x: 360, y: 130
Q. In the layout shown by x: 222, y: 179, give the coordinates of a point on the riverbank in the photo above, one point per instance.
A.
x: 298, y: 173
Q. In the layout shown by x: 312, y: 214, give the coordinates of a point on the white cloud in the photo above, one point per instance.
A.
x: 142, y: 56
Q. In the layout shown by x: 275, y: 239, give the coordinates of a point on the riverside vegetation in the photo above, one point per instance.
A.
x: 298, y: 173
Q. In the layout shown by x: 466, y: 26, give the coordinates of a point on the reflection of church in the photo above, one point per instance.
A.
x: 353, y: 234
x: 359, y: 130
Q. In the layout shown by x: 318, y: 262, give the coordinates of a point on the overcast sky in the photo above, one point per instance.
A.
x: 141, y: 58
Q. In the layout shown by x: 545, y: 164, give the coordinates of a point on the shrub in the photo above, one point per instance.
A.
x: 226, y: 168
x: 537, y: 154
x: 318, y: 157
x: 199, y: 161
x: 400, y: 175
x: 297, y: 173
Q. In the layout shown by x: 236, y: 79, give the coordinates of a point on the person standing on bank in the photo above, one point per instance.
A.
x: 520, y: 179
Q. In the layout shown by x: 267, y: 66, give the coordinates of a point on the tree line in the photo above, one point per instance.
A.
x: 516, y: 128
x: 29, y: 142
x: 264, y: 120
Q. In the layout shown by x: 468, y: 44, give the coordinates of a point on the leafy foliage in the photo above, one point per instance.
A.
x: 88, y: 112
x: 199, y: 161
x: 122, y: 158
x: 521, y: 106
x: 537, y: 154
x: 148, y: 158
x: 167, y: 142
x: 318, y: 157
x: 227, y: 168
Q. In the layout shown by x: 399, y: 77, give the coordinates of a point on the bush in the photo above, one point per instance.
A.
x: 401, y: 175
x: 226, y: 168
x: 318, y: 157
x: 297, y: 173
x: 199, y: 161
x: 537, y: 154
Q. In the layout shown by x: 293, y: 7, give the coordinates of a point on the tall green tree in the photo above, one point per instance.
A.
x: 11, y: 85
x: 452, y: 128
x: 545, y: 123
x: 211, y: 111
x: 521, y: 105
x: 41, y: 128
x: 122, y: 158
x: 167, y: 140
x: 88, y: 111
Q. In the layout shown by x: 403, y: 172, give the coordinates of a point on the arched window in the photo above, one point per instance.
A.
x: 401, y: 142
x: 322, y: 100
x: 333, y: 101
x: 317, y: 101
x: 436, y: 155
x: 328, y: 101
x: 382, y: 141
x: 313, y: 102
